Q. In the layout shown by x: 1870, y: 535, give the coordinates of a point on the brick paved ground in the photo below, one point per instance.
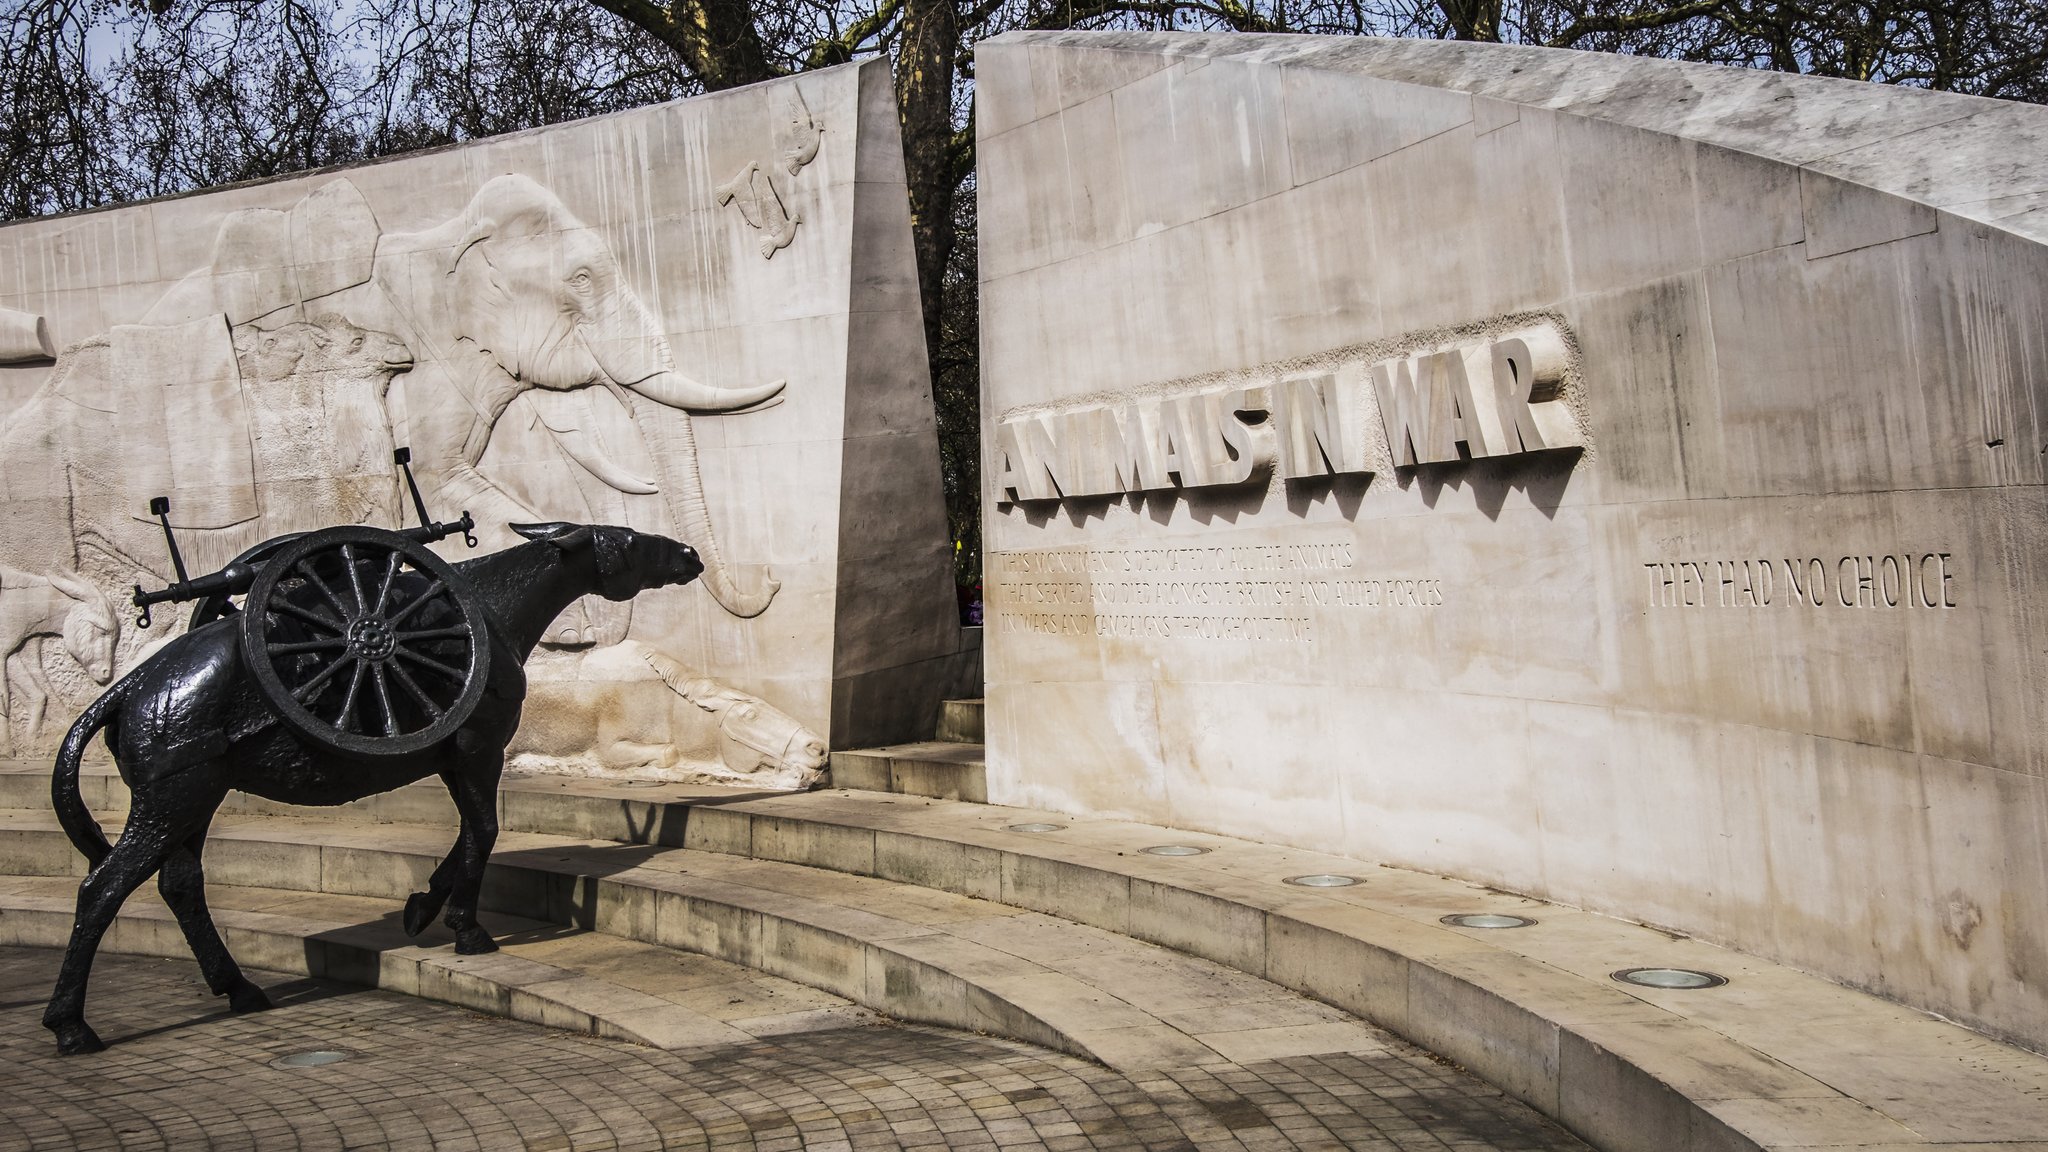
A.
x: 184, y: 1075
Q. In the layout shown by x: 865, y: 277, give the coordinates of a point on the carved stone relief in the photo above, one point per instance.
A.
x: 259, y: 392
x: 630, y: 708
x: 33, y: 610
x: 317, y: 423
x: 24, y: 336
x: 753, y: 190
x: 753, y: 193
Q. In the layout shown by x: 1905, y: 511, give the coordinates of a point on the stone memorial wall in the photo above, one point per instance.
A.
x: 1603, y: 478
x: 698, y: 319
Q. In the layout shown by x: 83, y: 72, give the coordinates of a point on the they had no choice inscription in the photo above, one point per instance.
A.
x: 1285, y: 593
x: 1925, y: 580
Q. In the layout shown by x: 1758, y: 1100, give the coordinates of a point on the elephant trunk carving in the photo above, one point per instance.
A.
x: 692, y: 515
x: 628, y: 347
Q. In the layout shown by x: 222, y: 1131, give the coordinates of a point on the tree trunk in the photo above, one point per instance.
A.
x: 718, y: 40
x: 925, y: 64
x: 1473, y: 19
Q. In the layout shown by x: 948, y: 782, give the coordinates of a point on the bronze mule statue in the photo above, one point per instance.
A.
x: 192, y: 722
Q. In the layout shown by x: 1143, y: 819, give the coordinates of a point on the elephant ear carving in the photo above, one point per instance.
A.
x: 478, y: 232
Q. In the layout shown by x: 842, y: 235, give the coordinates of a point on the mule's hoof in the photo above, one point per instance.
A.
x: 419, y: 912
x: 249, y: 998
x: 78, y: 1039
x: 474, y: 942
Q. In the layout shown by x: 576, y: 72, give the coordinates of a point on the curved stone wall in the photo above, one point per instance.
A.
x: 1716, y: 600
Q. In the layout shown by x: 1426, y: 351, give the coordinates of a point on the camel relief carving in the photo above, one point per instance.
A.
x: 318, y: 424
x: 266, y: 390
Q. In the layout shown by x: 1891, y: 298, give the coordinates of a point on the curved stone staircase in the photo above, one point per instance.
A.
x: 612, y: 920
x: 678, y: 915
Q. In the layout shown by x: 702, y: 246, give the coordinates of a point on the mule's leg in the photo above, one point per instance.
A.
x: 139, y: 852
x: 183, y: 884
x: 422, y: 907
x: 476, y: 796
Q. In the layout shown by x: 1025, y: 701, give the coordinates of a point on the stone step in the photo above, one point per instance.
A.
x: 960, y: 722
x: 911, y: 952
x: 1775, y: 1059
x: 543, y: 974
x: 940, y: 769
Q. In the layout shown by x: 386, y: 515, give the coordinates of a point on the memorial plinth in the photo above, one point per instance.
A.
x: 1609, y: 479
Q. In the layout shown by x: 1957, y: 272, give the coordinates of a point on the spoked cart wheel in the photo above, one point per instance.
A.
x: 218, y: 604
x: 365, y: 642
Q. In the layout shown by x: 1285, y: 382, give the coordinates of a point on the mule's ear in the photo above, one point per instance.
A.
x: 75, y: 586
x: 567, y: 537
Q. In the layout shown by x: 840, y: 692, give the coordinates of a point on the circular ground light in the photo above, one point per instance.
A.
x: 1322, y: 880
x: 1669, y: 978
x: 1173, y: 850
x: 1488, y: 920
x: 1034, y: 827
x: 312, y: 1059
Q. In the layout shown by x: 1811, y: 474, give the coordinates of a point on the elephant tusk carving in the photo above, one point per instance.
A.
x: 580, y: 449
x: 675, y: 390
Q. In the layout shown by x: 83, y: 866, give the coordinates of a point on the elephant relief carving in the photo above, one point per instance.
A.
x: 517, y: 294
x: 259, y: 391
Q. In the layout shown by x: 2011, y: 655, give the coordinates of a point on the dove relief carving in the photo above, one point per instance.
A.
x: 796, y: 134
x: 761, y: 207
x: 797, y: 137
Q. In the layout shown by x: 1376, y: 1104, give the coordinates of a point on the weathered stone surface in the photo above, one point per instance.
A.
x: 698, y: 319
x: 1755, y: 656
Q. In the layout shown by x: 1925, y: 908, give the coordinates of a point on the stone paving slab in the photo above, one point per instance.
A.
x: 182, y: 1074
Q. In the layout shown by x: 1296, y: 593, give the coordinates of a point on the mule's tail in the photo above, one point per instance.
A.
x: 72, y: 813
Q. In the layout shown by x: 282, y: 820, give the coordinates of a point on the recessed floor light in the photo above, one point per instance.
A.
x: 1669, y: 978
x: 641, y: 783
x: 1322, y: 880
x: 1173, y: 850
x: 313, y: 1059
x: 1034, y: 827
x: 1487, y: 920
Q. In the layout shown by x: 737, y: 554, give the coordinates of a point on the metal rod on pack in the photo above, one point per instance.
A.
x: 403, y: 458
x: 160, y: 507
